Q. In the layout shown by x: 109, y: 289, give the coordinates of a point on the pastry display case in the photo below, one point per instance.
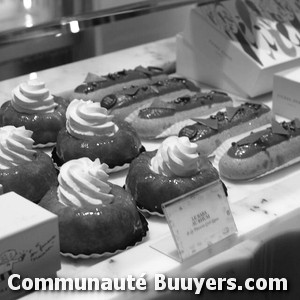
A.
x: 265, y: 210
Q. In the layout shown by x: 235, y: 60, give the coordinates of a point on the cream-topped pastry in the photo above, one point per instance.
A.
x: 33, y: 106
x: 15, y: 146
x: 95, y: 216
x: 87, y: 119
x: 91, y: 132
x: 84, y: 182
x: 31, y: 97
x: 176, y: 156
x: 174, y: 169
x: 24, y: 170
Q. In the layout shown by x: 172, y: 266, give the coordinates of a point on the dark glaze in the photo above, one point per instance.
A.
x: 118, y: 77
x: 140, y: 93
x: 262, y: 140
x: 184, y: 103
x: 244, y: 113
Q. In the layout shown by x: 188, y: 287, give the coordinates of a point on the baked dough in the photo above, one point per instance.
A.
x: 150, y: 190
x: 97, y: 229
x: 211, y: 132
x: 262, y: 152
x: 154, y: 121
x: 116, y: 150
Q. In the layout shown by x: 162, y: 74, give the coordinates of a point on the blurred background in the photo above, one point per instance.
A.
x: 40, y: 34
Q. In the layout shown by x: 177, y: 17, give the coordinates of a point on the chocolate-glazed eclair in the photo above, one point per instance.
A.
x: 209, y: 133
x: 124, y: 102
x: 161, y: 119
x: 95, y: 87
x: 263, y: 151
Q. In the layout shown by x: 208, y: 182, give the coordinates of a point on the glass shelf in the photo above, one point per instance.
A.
x: 30, y: 19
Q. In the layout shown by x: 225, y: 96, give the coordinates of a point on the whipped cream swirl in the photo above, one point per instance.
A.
x: 88, y: 119
x: 33, y: 97
x: 176, y: 157
x: 15, y: 146
x: 84, y: 182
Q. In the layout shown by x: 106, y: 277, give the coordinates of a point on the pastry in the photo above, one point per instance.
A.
x: 95, y: 216
x: 209, y: 133
x: 174, y: 169
x: 96, y: 87
x: 91, y: 132
x: 124, y: 102
x: 262, y: 152
x: 34, y: 107
x: 159, y: 120
x: 23, y: 170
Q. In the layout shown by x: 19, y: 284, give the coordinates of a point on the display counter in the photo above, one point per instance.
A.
x: 262, y: 208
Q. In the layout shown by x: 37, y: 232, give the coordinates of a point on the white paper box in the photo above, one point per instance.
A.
x: 194, y: 65
x: 249, y: 41
x: 29, y: 242
x: 286, y: 93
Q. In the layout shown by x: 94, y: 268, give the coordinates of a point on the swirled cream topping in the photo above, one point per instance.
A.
x: 15, y: 146
x: 176, y: 157
x: 33, y: 97
x: 84, y: 182
x: 89, y: 119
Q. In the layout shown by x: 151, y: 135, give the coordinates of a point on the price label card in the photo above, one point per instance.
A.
x: 199, y: 219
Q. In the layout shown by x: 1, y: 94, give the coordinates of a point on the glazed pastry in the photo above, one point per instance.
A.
x: 161, y: 118
x: 211, y: 132
x: 123, y: 103
x: 95, y: 216
x: 96, y: 87
x: 34, y: 107
x: 23, y: 170
x: 262, y: 152
x: 91, y: 132
x: 171, y: 171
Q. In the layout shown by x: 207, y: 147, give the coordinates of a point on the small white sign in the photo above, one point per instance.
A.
x: 199, y: 219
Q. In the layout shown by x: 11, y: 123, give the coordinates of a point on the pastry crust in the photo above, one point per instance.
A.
x: 209, y: 139
x: 124, y: 103
x: 96, y: 87
x: 153, y: 122
x: 45, y: 127
x: 260, y: 163
x: 116, y: 150
x: 97, y: 229
x: 262, y: 152
x: 32, y: 179
x: 150, y: 190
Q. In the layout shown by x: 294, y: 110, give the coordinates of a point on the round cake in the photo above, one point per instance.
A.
x: 24, y: 170
x: 34, y: 107
x: 164, y: 174
x: 91, y: 132
x: 95, y: 216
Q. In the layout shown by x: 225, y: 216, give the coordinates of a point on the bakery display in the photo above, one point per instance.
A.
x: 174, y: 169
x: 24, y: 170
x: 91, y: 132
x: 262, y: 152
x: 95, y: 216
x: 95, y: 87
x: 34, y: 107
x: 210, y: 133
x: 124, y: 102
x: 159, y: 120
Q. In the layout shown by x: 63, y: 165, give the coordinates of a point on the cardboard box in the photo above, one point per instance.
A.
x: 29, y: 242
x: 249, y: 41
x: 286, y: 93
